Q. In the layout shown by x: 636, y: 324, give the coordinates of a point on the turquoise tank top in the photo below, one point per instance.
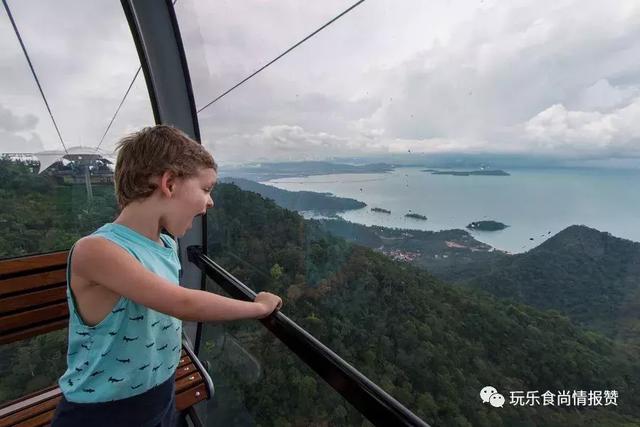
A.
x: 134, y: 348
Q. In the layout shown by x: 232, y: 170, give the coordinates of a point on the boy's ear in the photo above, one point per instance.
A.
x: 167, y: 183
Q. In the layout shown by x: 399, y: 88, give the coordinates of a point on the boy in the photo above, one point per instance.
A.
x: 125, y: 304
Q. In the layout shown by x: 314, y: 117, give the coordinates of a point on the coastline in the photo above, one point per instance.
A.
x: 535, y: 203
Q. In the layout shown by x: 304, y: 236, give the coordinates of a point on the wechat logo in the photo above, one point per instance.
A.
x: 490, y: 395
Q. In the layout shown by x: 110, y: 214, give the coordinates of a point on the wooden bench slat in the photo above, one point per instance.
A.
x: 43, y: 419
x: 183, y: 361
x: 20, y: 320
x: 33, y: 282
x: 33, y: 299
x: 18, y: 265
x: 39, y: 415
x: 191, y: 396
x: 37, y: 393
x: 187, y: 369
x: 21, y: 411
x: 188, y: 381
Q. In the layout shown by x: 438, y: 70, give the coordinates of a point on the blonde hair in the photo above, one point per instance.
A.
x: 151, y: 152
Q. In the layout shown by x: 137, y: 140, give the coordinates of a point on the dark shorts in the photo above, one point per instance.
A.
x: 153, y: 408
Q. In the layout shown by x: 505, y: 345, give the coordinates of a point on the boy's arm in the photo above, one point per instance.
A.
x: 107, y: 264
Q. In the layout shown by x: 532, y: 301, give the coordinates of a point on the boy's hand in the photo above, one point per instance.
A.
x: 269, y: 301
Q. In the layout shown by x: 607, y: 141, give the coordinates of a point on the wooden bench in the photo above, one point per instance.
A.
x: 33, y: 302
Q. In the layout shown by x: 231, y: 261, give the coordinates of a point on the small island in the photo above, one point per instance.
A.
x: 487, y: 226
x: 416, y: 216
x: 473, y: 173
x: 380, y: 210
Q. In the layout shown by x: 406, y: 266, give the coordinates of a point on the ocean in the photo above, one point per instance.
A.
x: 534, y: 203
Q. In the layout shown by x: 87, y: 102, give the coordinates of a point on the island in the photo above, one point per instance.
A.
x: 487, y: 226
x: 380, y: 210
x: 473, y: 173
x: 416, y: 216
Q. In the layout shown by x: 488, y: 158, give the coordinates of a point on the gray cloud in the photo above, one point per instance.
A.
x: 390, y: 77
x: 475, y: 83
x: 12, y: 123
x: 15, y: 143
x: 613, y: 134
x: 17, y: 132
x: 514, y: 62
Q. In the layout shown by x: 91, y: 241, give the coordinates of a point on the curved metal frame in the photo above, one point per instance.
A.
x: 157, y: 37
x: 188, y: 347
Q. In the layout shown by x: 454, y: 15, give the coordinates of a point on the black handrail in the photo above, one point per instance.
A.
x: 368, y: 398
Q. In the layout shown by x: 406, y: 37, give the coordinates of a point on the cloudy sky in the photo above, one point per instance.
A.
x: 521, y: 77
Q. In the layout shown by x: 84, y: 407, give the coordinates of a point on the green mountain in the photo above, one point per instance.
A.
x: 322, y: 203
x: 588, y: 275
x: 37, y: 215
x: 430, y: 345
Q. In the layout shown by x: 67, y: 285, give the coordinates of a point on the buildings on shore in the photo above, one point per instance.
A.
x: 74, y: 167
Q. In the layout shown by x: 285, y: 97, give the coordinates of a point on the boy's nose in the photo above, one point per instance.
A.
x: 209, y: 203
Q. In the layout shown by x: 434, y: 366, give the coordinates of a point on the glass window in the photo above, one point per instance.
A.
x: 52, y: 194
x: 259, y: 381
x: 56, y: 191
x: 446, y: 193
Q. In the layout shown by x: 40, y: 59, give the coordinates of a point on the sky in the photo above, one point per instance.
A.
x: 557, y: 79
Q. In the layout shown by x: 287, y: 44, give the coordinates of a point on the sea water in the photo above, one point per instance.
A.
x: 534, y: 203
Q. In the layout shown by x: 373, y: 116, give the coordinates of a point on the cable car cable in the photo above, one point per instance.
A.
x: 35, y: 76
x: 119, y: 106
x: 284, y: 53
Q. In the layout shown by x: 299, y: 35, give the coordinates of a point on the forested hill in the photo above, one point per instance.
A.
x: 299, y: 200
x: 431, y: 345
x: 590, y: 276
